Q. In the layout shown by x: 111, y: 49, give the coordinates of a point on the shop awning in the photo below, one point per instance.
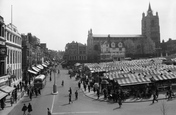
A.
x: 40, y: 66
x: 36, y: 69
x: 44, y: 65
x: 2, y: 94
x: 32, y: 72
x: 7, y: 89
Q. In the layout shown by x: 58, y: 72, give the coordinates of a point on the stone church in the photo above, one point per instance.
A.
x: 118, y: 47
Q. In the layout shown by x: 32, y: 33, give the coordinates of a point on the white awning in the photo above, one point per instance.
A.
x: 36, y: 69
x: 44, y: 65
x: 2, y: 94
x: 32, y: 71
x: 40, y: 66
x: 7, y: 89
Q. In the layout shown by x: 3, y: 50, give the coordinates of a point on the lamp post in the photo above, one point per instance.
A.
x: 55, y: 85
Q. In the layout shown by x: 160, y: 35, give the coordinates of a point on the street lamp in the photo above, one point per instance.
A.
x: 55, y: 92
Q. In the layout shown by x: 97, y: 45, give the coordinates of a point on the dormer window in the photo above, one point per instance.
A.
x: 113, y: 45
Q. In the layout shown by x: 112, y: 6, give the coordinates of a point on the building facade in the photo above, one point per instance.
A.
x: 14, y: 54
x: 3, y: 48
x: 117, y: 47
x: 75, y: 52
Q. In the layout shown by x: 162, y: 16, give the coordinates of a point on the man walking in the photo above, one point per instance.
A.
x: 79, y: 85
x: 49, y: 112
x: 29, y: 108
x: 154, y: 97
x: 70, y: 101
x: 76, y: 95
x: 24, y: 109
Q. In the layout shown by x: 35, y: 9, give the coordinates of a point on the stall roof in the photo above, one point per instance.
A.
x: 7, y: 89
x: 31, y: 71
x: 2, y: 94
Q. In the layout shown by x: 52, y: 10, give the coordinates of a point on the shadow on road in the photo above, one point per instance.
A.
x: 65, y: 104
x: 116, y: 108
x: 25, y: 101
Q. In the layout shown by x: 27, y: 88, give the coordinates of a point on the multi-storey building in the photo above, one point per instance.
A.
x: 117, y: 47
x: 3, y: 49
x: 14, y: 53
x: 75, y: 52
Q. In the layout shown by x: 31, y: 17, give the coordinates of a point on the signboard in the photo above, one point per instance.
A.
x: 3, y: 51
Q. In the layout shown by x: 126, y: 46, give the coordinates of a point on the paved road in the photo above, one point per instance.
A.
x: 84, y: 105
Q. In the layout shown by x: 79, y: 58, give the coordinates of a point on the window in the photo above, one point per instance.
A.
x: 7, y: 56
x: 10, y: 56
x: 7, y: 35
x: 10, y: 36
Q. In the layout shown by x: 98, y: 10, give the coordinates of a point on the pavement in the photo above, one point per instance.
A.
x: 8, y: 106
x: 93, y: 95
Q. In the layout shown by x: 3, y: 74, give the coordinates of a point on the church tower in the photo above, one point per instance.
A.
x: 150, y: 26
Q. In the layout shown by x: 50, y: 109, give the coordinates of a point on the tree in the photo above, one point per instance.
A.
x: 130, y: 47
x: 149, y: 46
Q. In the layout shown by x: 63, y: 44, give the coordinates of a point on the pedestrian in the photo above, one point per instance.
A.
x: 24, y: 109
x: 58, y: 71
x: 76, y: 95
x: 70, y: 90
x: 39, y: 91
x: 98, y: 93
x: 154, y: 97
x: 36, y: 92
x: 49, y: 112
x: 62, y: 82
x: 120, y: 102
x: 29, y: 108
x: 85, y: 86
x: 70, y: 101
x: 50, y: 78
x: 79, y: 84
x: 2, y: 103
x: 11, y: 100
x: 89, y: 87
x: 30, y: 95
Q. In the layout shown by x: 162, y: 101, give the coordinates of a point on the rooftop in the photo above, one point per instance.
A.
x: 118, y: 36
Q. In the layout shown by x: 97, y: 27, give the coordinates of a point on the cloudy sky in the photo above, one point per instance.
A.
x: 57, y: 22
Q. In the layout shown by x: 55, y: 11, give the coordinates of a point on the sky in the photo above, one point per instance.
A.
x: 58, y: 22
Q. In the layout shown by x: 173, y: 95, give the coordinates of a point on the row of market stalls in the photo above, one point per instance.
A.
x: 8, y: 83
x: 37, y: 69
x: 135, y: 72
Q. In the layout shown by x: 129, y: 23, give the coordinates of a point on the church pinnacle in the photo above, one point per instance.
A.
x: 149, y: 9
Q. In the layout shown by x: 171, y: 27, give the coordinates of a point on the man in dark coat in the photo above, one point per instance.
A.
x: 98, y: 93
x: 70, y: 90
x: 70, y: 101
x: 76, y: 95
x: 79, y: 85
x: 29, y: 108
x: 49, y: 112
x: 24, y: 109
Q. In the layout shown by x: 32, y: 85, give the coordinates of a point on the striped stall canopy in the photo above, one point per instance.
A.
x: 163, y: 77
x: 133, y: 81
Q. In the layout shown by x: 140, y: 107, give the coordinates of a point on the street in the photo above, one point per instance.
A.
x: 59, y: 104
